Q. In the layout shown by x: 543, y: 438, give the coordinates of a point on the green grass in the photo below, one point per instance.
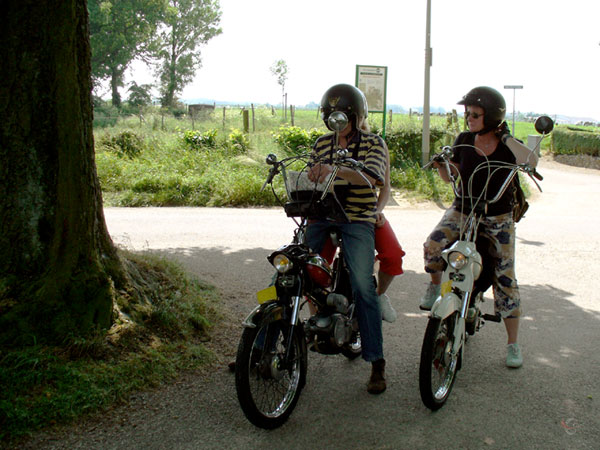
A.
x: 158, y: 167
x: 44, y: 385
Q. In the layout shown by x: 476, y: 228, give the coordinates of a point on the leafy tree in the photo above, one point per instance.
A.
x: 140, y: 95
x: 187, y: 25
x: 280, y: 70
x: 121, y: 31
x: 59, y: 269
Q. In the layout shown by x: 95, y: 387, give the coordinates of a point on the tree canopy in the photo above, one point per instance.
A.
x: 279, y: 69
x: 121, y: 31
x: 186, y: 25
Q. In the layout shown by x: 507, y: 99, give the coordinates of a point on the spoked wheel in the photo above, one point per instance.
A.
x: 438, y: 368
x: 267, y: 386
x: 354, y: 349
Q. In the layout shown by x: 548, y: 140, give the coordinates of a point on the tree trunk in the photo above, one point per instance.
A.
x: 115, y: 82
x: 58, y: 262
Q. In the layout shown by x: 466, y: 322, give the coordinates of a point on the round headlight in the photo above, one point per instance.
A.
x: 457, y: 260
x: 282, y: 263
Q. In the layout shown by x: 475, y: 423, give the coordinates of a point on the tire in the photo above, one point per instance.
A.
x: 354, y: 349
x: 437, y: 369
x: 268, y: 392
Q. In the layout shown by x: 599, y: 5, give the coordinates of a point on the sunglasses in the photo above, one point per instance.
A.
x: 474, y: 115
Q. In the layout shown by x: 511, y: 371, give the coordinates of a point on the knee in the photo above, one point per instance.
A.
x: 391, y: 263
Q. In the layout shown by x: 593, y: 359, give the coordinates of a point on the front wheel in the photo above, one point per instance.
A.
x: 269, y: 376
x: 353, y: 349
x: 438, y: 366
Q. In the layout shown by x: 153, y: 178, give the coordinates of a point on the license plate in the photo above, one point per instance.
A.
x: 267, y: 294
x: 446, y: 287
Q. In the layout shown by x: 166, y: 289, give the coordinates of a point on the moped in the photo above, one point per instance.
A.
x: 456, y: 314
x: 271, y: 361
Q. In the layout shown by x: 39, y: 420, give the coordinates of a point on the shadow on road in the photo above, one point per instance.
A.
x: 552, y: 398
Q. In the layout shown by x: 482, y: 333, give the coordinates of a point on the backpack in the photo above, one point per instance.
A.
x: 520, y: 205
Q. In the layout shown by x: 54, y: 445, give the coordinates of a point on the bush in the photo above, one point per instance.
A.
x: 196, y: 140
x: 124, y: 144
x: 238, y: 142
x: 105, y: 115
x: 405, y: 142
x: 296, y: 140
x: 575, y: 141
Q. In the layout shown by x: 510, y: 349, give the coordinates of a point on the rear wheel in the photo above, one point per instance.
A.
x: 268, y: 385
x: 438, y: 367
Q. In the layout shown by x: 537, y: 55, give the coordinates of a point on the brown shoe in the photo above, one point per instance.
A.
x: 376, y: 383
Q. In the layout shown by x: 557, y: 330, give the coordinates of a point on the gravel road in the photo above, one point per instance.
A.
x: 553, y: 401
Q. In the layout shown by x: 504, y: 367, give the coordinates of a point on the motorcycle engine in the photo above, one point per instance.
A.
x: 330, y: 332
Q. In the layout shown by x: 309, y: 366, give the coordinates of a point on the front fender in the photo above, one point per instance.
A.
x: 446, y: 305
x: 267, y: 312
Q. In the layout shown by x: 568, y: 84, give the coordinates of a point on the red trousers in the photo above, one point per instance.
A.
x: 389, y: 251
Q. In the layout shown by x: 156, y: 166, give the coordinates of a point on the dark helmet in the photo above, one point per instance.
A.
x: 491, y: 101
x: 345, y: 98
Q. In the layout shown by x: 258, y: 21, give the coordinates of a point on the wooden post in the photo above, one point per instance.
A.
x: 246, y: 118
x: 285, y: 107
x: 292, y: 111
x: 253, y: 121
x: 391, y: 114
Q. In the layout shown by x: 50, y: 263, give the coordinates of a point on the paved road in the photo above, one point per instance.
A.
x: 553, y: 401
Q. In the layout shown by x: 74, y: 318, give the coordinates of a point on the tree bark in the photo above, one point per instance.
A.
x: 58, y: 262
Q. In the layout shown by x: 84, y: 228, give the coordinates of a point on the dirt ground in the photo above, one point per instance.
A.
x: 551, y: 402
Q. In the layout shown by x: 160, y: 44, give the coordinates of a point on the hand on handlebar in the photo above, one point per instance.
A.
x: 319, y: 172
x: 502, y: 132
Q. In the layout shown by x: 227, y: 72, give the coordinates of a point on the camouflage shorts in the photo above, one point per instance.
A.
x: 500, y: 230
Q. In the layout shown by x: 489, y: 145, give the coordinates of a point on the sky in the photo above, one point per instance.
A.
x: 550, y: 47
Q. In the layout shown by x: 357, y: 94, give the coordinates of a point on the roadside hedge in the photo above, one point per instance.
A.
x: 575, y: 141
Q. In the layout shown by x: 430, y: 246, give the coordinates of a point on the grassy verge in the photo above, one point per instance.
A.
x: 44, y: 385
x: 201, y: 163
x: 169, y: 161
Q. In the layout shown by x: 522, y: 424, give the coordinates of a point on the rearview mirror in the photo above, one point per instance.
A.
x: 337, y: 121
x: 544, y: 125
x: 271, y: 159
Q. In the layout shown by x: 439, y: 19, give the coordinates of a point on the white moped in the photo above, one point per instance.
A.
x: 456, y: 312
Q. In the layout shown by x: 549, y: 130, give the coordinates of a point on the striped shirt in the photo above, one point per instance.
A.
x: 360, y: 203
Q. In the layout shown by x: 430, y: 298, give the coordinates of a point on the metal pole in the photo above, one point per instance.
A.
x: 513, y: 124
x: 514, y: 88
x: 428, y: 55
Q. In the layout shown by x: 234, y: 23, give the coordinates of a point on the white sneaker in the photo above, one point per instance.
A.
x: 388, y: 313
x: 514, y: 358
x: 433, y: 292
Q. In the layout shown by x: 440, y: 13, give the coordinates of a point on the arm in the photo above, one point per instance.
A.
x: 384, y: 192
x: 443, y: 173
x: 374, y: 161
x: 319, y: 172
x: 523, y: 154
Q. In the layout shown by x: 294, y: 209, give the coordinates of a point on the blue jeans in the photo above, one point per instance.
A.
x: 359, y: 253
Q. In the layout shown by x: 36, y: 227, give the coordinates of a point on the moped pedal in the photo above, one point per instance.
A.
x: 492, y: 317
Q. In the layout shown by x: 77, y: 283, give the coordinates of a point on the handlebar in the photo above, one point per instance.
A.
x: 341, y: 160
x: 446, y: 154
